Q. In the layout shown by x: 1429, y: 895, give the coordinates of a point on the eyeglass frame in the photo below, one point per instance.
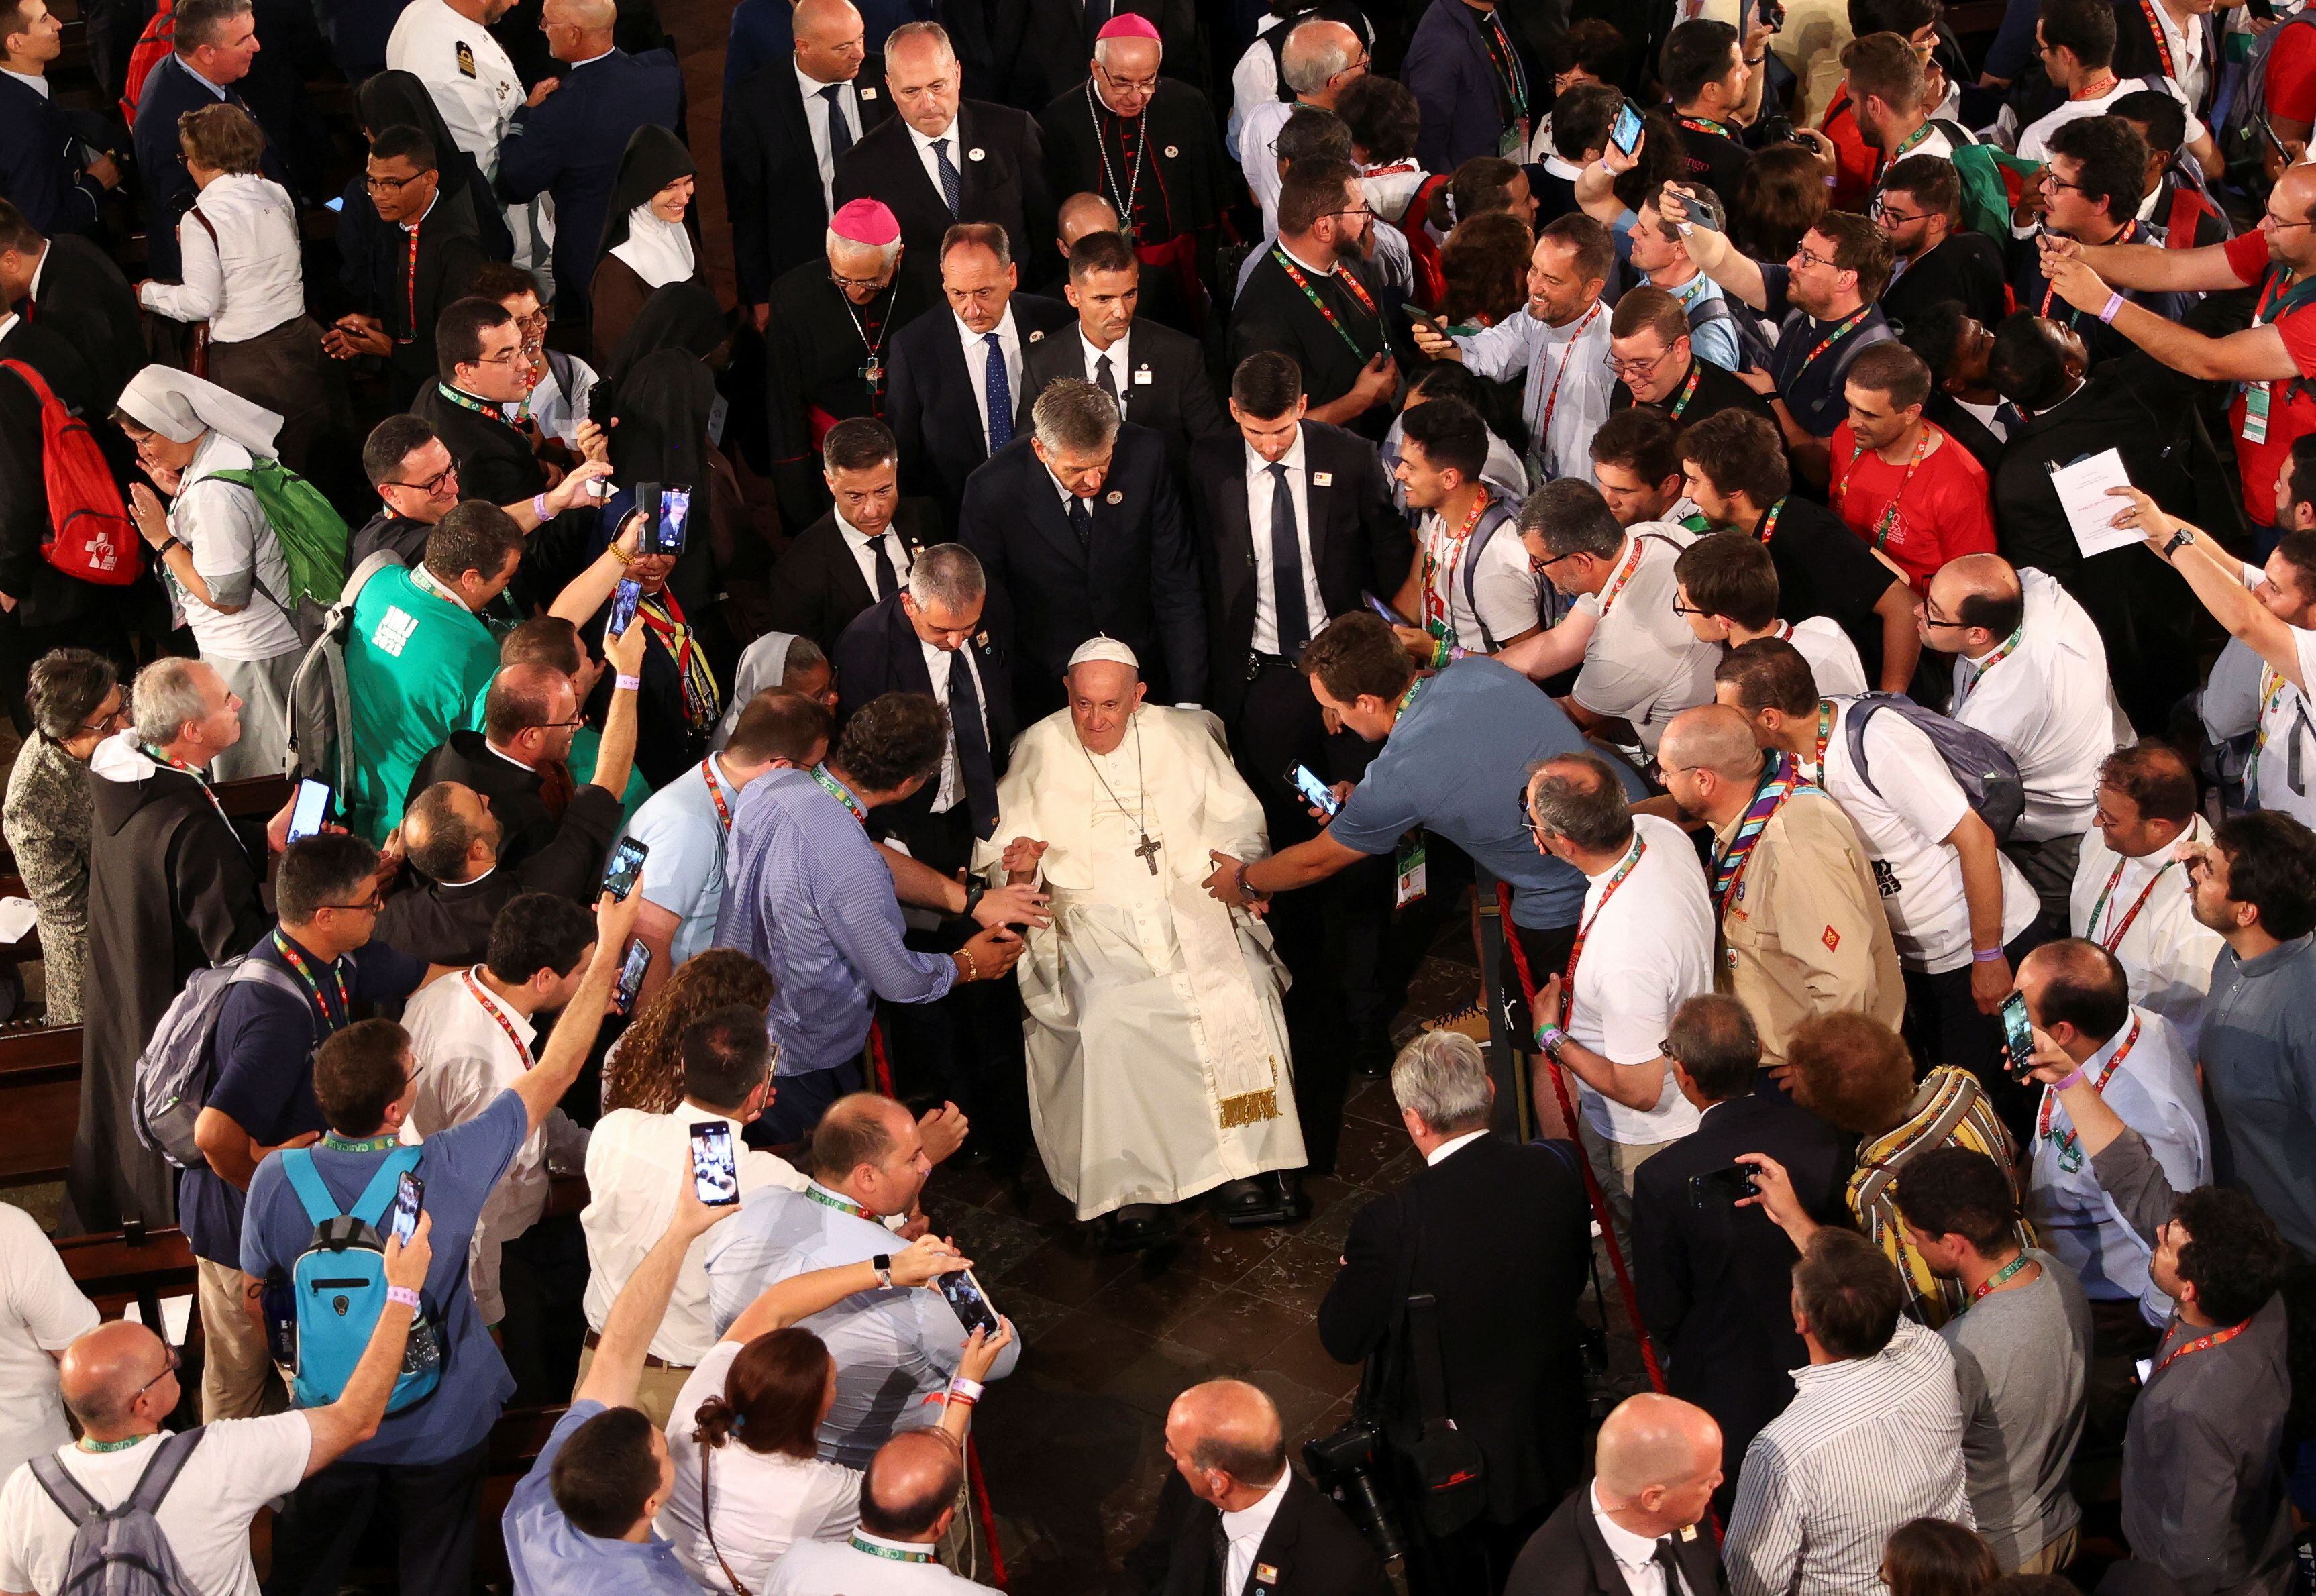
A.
x: 1882, y: 213
x: 878, y: 283
x: 391, y: 185
x: 433, y: 484
x: 1648, y: 368
x: 107, y: 723
x: 170, y: 1364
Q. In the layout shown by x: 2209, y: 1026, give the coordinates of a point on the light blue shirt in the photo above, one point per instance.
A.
x: 891, y: 1348
x: 685, y: 871
x: 549, y: 1557
x: 1716, y: 340
x: 811, y: 900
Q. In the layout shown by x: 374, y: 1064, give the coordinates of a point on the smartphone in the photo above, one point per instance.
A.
x: 1315, y: 791
x: 311, y: 812
x: 714, y: 1169
x: 1772, y: 13
x: 648, y: 505
x: 631, y: 977
x: 1386, y: 610
x: 627, y: 864
x: 1703, y: 212
x: 673, y: 522
x: 1727, y: 1184
x: 2269, y: 133
x: 967, y: 1301
x: 624, y: 600
x: 2018, y: 1034
x: 409, y: 1195
x: 1625, y: 133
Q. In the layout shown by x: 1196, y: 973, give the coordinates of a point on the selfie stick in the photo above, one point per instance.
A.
x: 1591, y: 1181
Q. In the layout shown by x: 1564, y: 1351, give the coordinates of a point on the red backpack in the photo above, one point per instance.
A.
x: 93, y: 538
x: 152, y: 48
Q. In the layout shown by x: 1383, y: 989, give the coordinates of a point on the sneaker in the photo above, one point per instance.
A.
x: 1470, y: 1020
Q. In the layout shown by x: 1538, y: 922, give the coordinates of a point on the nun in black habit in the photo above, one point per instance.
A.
x: 650, y: 236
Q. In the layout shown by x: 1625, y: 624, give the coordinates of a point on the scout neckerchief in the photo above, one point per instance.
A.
x: 842, y: 1204
x: 1889, y: 521
x: 860, y: 1543
x: 835, y: 789
x: 2070, y: 1157
x: 490, y: 1006
x: 2130, y: 231
x: 1439, y: 608
x: 1842, y: 329
x: 1768, y: 527
x: 2114, y: 938
x: 297, y: 961
x: 1585, y: 932
x: 661, y: 612
x: 1616, y: 583
x: 1779, y: 781
x: 1294, y: 275
x: 1689, y: 388
x: 1995, y: 1281
x: 2201, y: 1343
x: 2009, y: 647
x: 716, y: 791
x: 1552, y: 398
x: 1122, y: 198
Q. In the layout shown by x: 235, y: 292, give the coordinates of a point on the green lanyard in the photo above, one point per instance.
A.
x: 370, y: 1143
x: 842, y: 1206
x: 894, y: 1553
x: 835, y: 789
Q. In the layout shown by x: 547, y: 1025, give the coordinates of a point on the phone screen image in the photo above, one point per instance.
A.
x: 967, y: 1301
x: 624, y: 600
x: 631, y: 977
x: 627, y: 864
x: 1317, y: 792
x: 409, y: 1195
x: 674, y: 523
x: 1384, y: 609
x: 312, y: 811
x: 1626, y: 131
x: 715, y: 1172
x: 2018, y: 1034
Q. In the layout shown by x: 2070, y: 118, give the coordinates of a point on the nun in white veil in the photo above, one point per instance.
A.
x: 648, y: 237
x: 218, y: 555
x: 779, y: 659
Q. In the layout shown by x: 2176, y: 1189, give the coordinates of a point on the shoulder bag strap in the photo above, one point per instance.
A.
x: 71, y: 1497
x: 169, y: 1461
x: 306, y: 1181
x: 1423, y: 1340
x: 707, y: 1522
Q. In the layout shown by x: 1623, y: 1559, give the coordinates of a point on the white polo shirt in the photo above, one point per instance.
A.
x: 1833, y: 658
x: 2139, y: 911
x: 1647, y: 949
x: 1642, y: 664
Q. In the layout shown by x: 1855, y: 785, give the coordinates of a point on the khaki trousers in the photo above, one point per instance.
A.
x: 237, y: 1379
x: 1616, y: 1164
x: 655, y: 1392
x: 2053, y: 1558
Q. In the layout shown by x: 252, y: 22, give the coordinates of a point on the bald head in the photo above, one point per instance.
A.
x: 1712, y: 737
x: 912, y: 1486
x: 589, y: 16
x: 103, y: 1374
x: 1988, y: 573
x: 1315, y: 52
x: 824, y: 22
x: 1081, y: 214
x: 1655, y: 1441
x: 1973, y: 604
x: 1229, y: 1427
x: 829, y: 41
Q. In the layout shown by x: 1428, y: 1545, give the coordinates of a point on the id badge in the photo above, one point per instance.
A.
x: 1512, y: 143
x: 2255, y: 402
x: 1410, y: 865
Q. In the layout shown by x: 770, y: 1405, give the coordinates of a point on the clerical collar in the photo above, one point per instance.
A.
x: 590, y: 61
x: 413, y: 226
x: 40, y: 85
x: 1299, y: 259
x: 8, y: 320
x: 216, y: 89
x: 1554, y: 167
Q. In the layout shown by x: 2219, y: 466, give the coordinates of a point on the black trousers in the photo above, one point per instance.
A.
x: 433, y: 1506
x: 1944, y: 1026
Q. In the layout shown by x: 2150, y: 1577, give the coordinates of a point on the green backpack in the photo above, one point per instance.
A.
x: 314, y: 539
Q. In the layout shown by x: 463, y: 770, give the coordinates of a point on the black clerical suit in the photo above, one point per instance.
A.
x: 1309, y: 1549
x: 83, y: 299
x: 818, y: 343
x: 374, y: 256
x: 1507, y: 1293
x: 818, y: 586
x: 1272, y: 312
x: 1966, y: 267
x: 1132, y: 576
x: 495, y: 461
x: 2141, y: 606
x: 1046, y: 43
x: 1161, y: 385
x: 562, y: 855
x: 929, y: 395
x: 1717, y: 389
x: 1714, y: 1280
x: 771, y: 175
x: 1001, y: 169
x: 1569, y: 1556
x: 1165, y: 171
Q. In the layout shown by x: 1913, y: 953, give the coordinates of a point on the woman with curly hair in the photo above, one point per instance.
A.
x: 646, y: 1070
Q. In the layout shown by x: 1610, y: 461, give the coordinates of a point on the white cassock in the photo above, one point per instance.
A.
x: 1157, y: 1042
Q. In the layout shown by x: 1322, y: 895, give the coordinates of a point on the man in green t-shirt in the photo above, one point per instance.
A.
x: 419, y: 658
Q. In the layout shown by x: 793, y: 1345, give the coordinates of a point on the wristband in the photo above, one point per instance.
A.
x: 2074, y: 1077
x: 961, y: 1390
x: 403, y: 1294
x: 539, y: 506
x: 1986, y: 955
x: 629, y: 683
x: 1438, y: 653
x: 2114, y: 303
x: 1550, y: 1038
x: 161, y: 549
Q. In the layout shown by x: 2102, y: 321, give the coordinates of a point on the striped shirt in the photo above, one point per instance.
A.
x: 1950, y: 1109
x: 1867, y: 1444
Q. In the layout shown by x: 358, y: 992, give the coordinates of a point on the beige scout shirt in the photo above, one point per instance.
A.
x: 1804, y: 933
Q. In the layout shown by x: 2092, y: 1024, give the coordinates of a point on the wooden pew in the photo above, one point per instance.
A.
x: 40, y: 1102
x: 121, y: 1266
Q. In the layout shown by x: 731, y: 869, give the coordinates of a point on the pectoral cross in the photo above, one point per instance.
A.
x: 873, y: 372
x: 1148, y: 852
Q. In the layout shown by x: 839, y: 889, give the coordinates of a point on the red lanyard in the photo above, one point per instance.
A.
x: 2162, y: 45
x: 2066, y: 1139
x: 1576, y: 950
x: 2113, y: 939
x: 1295, y: 276
x: 1769, y: 522
x: 2130, y: 231
x: 1843, y: 330
x: 1889, y: 520
x: 716, y: 791
x: 1698, y: 124
x: 2080, y: 95
x: 522, y: 1048
x: 1689, y: 388
x: 297, y: 962
x: 1438, y: 610
x: 412, y: 286
x: 1543, y: 427
x: 1616, y: 583
x: 2200, y: 1344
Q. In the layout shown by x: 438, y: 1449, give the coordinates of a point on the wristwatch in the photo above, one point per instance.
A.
x: 883, y: 1264
x: 975, y: 892
x: 2179, y: 540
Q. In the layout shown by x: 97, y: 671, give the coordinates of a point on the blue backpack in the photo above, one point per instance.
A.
x: 340, y: 1281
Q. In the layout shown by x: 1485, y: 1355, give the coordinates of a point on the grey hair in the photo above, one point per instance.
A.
x: 1581, y: 798
x: 199, y: 21
x: 65, y: 687
x: 804, y: 654
x: 1572, y: 518
x: 934, y: 32
x: 833, y: 241
x: 947, y: 574
x: 1440, y: 1078
x: 167, y: 694
x: 1308, y: 59
x: 1074, y: 414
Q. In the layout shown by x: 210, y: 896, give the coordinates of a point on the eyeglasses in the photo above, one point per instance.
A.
x: 1680, y: 609
x: 433, y: 484
x: 1805, y: 258
x: 2052, y: 181
x: 577, y: 721
x: 868, y: 282
x: 536, y: 322
x: 105, y: 723
x: 505, y: 357
x: 1132, y: 86
x: 1932, y: 620
x: 2268, y: 219
x: 1895, y: 218
x: 370, y: 905
x: 169, y: 1368
x: 1355, y: 211
x: 390, y: 185
x: 1635, y: 368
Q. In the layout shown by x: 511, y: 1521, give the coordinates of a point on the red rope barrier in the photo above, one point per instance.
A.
x: 980, y: 1511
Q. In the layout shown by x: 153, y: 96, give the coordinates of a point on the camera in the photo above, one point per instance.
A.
x: 1781, y: 129
x: 1345, y: 1465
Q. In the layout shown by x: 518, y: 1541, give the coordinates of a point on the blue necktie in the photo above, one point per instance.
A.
x: 839, y: 131
x: 952, y: 187
x: 1001, y: 397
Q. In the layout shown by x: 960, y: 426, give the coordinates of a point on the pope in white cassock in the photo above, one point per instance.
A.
x: 1157, y: 1043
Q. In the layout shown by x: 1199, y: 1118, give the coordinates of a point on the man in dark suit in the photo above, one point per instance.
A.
x: 1046, y: 43
x: 56, y: 179
x: 71, y: 287
x: 1157, y: 375
x: 479, y: 385
x: 1654, y: 1472
x: 569, y: 142
x: 1080, y: 527
x: 955, y: 372
x: 781, y: 152
x: 860, y: 550
x: 1714, y: 1278
x: 934, y: 636
x: 216, y: 41
x: 945, y: 159
x: 1505, y: 1295
x: 1229, y: 1452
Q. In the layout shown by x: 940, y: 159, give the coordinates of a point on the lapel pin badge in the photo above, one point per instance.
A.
x: 1322, y: 479
x: 1114, y: 498
x: 868, y: 94
x: 1265, y: 1574
x: 973, y: 154
x: 1174, y: 152
x: 1036, y: 337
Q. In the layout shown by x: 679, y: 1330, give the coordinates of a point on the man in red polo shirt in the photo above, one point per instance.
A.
x: 2271, y: 358
x: 1900, y: 483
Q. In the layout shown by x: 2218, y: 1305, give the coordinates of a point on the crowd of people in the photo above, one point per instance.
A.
x: 1803, y: 533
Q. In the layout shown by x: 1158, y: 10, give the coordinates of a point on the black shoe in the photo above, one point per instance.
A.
x: 1135, y: 1226
x: 1269, y: 1199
